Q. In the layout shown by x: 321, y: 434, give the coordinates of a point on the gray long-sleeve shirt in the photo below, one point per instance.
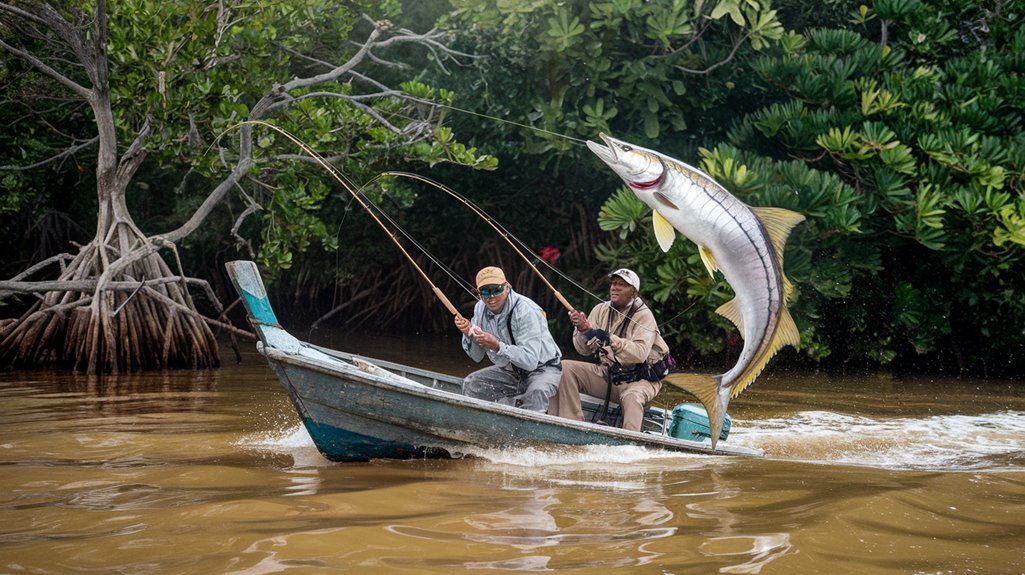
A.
x: 534, y: 343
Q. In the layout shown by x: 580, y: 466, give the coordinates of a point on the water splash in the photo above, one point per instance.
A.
x: 986, y: 442
x: 291, y: 440
x: 576, y: 456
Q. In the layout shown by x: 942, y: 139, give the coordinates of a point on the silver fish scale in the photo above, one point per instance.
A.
x: 716, y: 209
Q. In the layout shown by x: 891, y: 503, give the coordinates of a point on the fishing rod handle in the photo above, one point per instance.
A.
x: 562, y: 300
x: 444, y: 300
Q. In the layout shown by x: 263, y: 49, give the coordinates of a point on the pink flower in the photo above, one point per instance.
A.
x: 550, y: 254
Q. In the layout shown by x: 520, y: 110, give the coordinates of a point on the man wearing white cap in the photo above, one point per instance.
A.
x: 632, y: 356
x: 512, y: 331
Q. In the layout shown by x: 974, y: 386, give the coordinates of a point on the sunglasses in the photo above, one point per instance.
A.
x: 492, y: 290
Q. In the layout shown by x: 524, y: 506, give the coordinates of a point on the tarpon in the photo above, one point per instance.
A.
x: 743, y: 242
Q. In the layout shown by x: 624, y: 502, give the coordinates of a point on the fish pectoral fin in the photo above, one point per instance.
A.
x: 708, y: 259
x: 706, y: 389
x: 731, y: 311
x: 665, y: 233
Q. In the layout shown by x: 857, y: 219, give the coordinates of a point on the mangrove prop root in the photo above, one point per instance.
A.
x: 137, y: 316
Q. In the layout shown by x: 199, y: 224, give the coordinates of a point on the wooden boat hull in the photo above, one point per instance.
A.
x: 357, y: 409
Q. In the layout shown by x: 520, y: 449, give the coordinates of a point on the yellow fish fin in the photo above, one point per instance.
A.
x: 731, y: 311
x: 706, y: 389
x: 778, y: 224
x: 708, y: 259
x: 786, y: 334
x: 665, y: 233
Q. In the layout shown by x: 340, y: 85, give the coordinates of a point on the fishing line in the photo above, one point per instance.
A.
x: 350, y: 188
x: 366, y: 203
x: 465, y: 285
x: 509, y: 238
x: 495, y: 118
x: 490, y: 221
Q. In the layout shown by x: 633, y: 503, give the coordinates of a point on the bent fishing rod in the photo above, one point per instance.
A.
x: 491, y: 222
x: 509, y: 238
x: 363, y: 202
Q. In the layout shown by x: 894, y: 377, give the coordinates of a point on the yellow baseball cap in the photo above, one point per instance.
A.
x: 490, y: 275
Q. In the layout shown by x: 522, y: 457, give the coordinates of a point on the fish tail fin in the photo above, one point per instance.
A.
x: 706, y: 389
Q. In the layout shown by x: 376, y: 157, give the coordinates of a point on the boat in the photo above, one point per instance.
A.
x: 357, y: 408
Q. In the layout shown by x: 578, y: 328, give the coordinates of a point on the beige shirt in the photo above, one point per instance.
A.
x: 633, y: 341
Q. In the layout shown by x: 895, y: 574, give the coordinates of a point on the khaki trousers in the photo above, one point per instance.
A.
x: 589, y: 378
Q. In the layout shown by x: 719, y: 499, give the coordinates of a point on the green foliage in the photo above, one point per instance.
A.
x: 562, y: 65
x: 199, y: 70
x: 907, y: 159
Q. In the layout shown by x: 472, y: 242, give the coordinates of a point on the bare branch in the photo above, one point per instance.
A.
x: 88, y: 285
x: 733, y: 52
x: 59, y: 258
x: 75, y: 87
x: 211, y: 201
x: 69, y: 152
x: 239, y: 240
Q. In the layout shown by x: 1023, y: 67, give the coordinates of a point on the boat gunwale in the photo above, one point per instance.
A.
x: 436, y: 394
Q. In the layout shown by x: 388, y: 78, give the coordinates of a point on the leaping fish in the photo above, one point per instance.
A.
x: 745, y: 243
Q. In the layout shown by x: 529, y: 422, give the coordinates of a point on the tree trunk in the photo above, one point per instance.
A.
x: 109, y: 329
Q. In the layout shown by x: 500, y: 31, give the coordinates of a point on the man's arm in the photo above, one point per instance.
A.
x: 581, y: 342
x: 528, y: 330
x: 635, y: 346
x: 471, y: 348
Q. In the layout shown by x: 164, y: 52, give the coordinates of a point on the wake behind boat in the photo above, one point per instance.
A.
x: 357, y: 409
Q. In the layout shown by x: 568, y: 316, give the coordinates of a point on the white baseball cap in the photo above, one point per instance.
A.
x: 629, y: 277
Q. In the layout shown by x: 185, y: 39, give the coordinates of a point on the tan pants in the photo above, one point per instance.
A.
x: 589, y: 378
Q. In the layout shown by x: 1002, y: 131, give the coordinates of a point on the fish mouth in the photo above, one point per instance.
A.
x: 607, y: 153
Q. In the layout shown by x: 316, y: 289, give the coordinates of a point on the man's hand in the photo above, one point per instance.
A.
x: 579, y: 320
x: 486, y: 340
x: 463, y: 325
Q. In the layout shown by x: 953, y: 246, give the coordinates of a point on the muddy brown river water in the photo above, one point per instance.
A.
x: 211, y: 472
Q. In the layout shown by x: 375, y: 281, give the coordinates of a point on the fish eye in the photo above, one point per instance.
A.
x: 625, y: 148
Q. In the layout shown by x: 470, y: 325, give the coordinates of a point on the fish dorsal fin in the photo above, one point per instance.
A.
x: 786, y: 334
x: 708, y: 259
x: 731, y: 311
x: 778, y: 223
x: 664, y: 231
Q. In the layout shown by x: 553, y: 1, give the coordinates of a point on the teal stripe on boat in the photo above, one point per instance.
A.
x: 260, y: 308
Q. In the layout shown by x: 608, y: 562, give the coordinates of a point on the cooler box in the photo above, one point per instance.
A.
x: 691, y: 422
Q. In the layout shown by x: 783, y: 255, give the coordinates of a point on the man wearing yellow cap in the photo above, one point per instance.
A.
x: 512, y: 331
x: 632, y: 356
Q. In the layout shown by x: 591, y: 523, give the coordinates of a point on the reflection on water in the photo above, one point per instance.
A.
x: 210, y: 472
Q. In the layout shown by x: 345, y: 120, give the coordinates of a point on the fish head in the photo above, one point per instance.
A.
x: 642, y: 169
